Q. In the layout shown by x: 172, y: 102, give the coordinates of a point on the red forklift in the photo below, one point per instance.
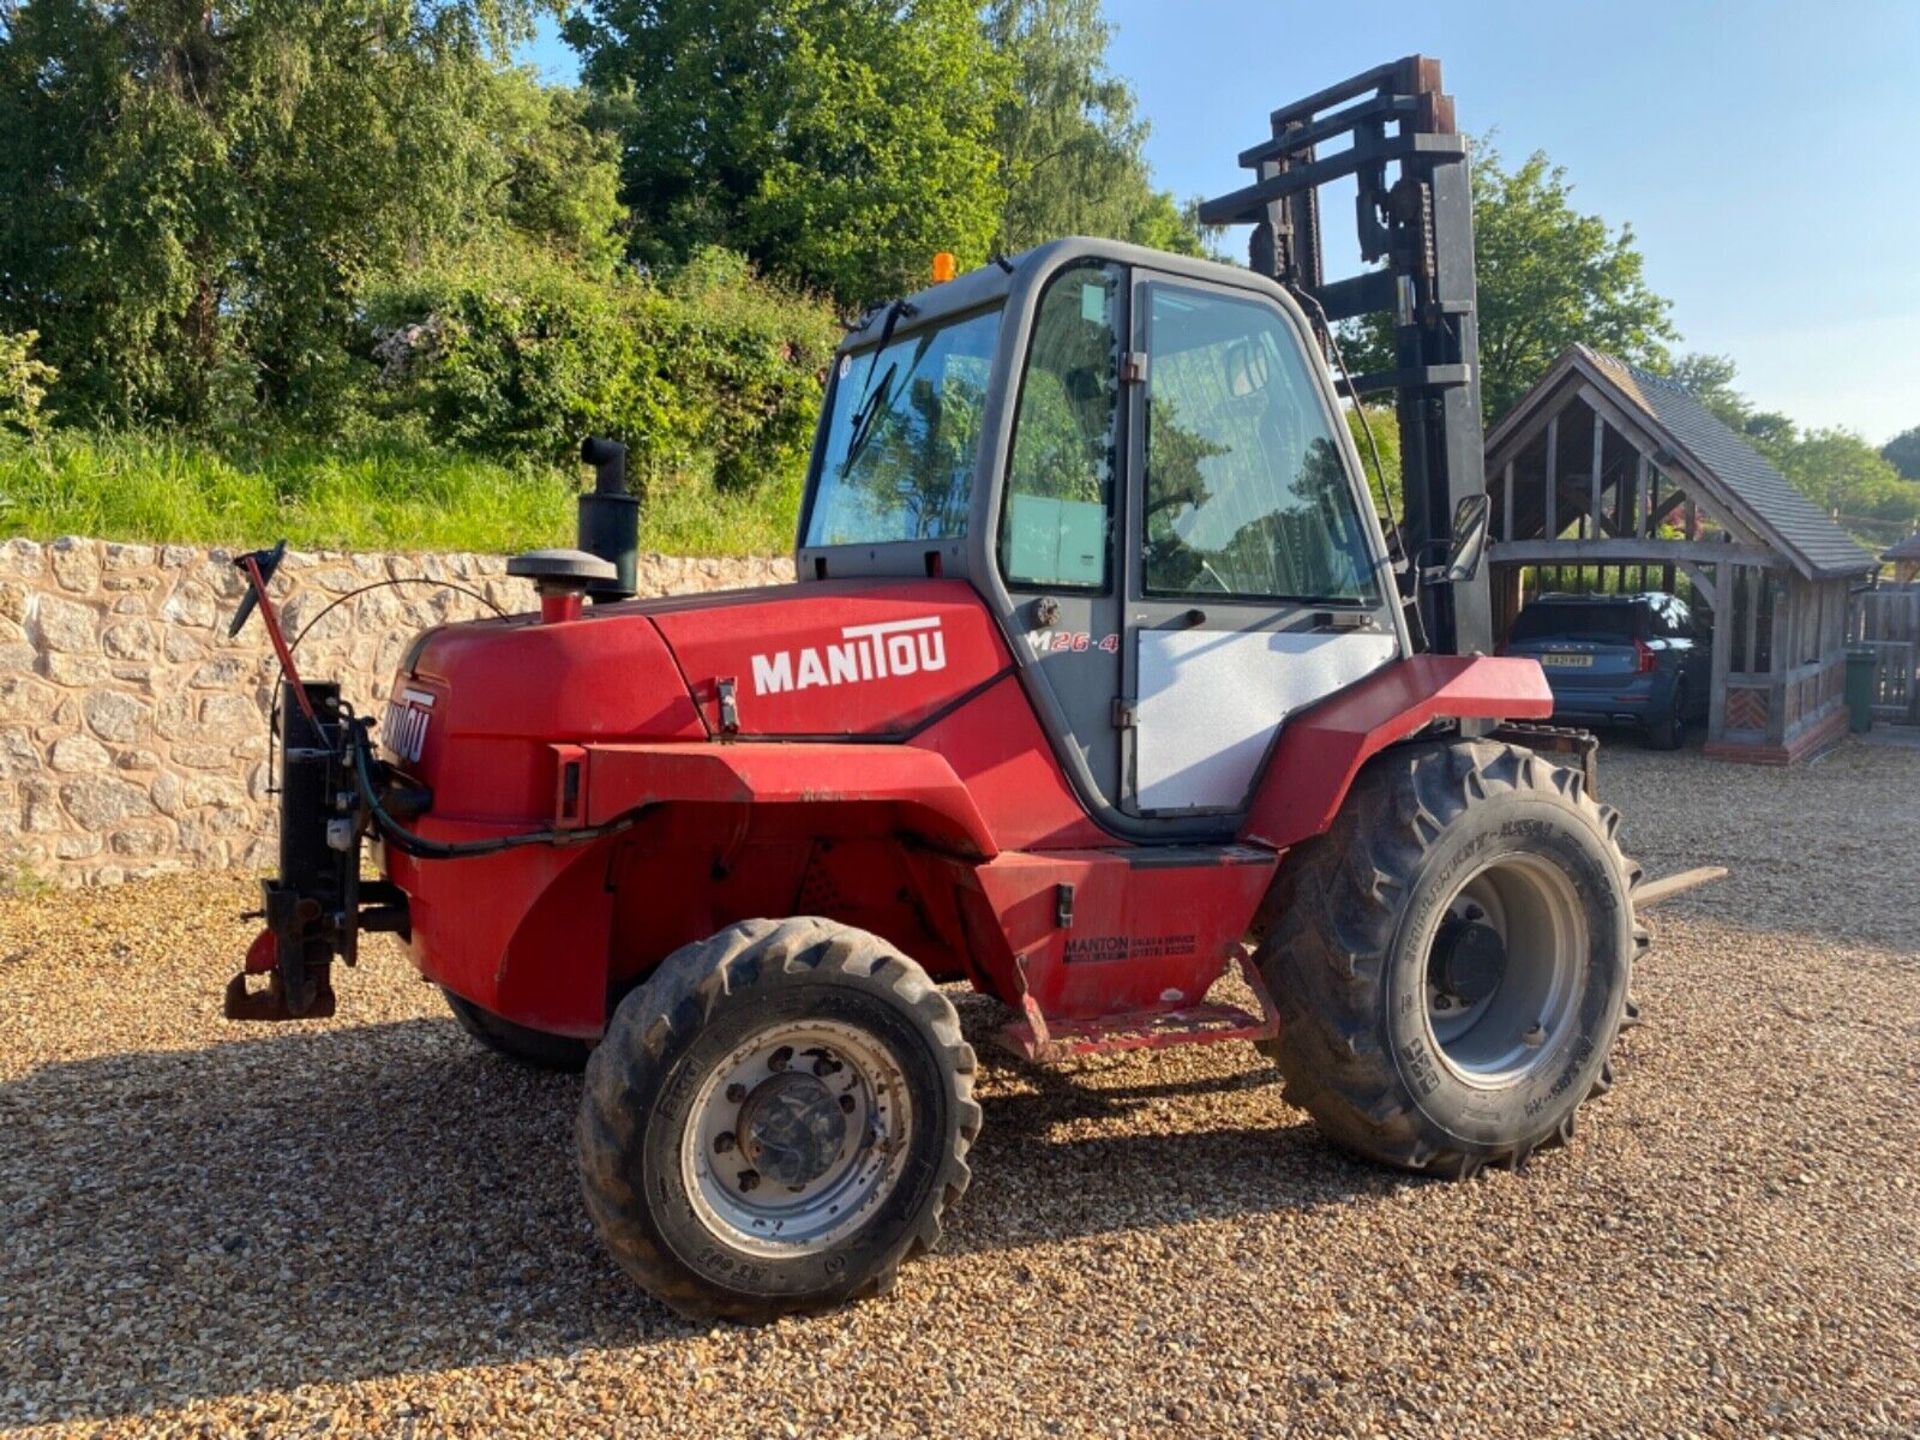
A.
x: 1103, y: 678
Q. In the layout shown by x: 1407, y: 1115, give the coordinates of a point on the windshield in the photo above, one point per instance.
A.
x: 1608, y: 624
x: 903, y: 428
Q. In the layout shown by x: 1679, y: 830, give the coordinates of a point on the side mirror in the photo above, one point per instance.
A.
x: 1471, y: 518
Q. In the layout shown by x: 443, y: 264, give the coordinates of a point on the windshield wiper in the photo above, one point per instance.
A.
x: 872, y: 394
x: 864, y: 419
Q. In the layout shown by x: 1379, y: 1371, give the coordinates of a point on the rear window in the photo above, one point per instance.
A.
x: 1600, y: 623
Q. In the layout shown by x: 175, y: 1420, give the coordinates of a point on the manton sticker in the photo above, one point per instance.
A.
x: 865, y: 652
x: 1130, y: 947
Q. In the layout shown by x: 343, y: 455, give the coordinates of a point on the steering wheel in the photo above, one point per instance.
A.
x: 1168, y: 500
x: 268, y: 561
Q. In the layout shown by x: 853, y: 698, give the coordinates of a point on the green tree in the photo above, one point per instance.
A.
x: 1376, y: 435
x: 839, y: 143
x: 1847, y: 477
x: 1070, y: 138
x: 194, y: 197
x: 1549, y: 277
x: 561, y: 182
x: 1903, y: 453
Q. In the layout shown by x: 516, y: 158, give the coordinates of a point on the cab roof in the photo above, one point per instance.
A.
x: 993, y: 282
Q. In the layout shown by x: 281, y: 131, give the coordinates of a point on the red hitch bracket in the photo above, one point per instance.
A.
x: 263, y: 958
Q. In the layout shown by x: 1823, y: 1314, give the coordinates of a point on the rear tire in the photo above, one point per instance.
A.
x: 713, y: 1154
x: 1434, y: 843
x: 516, y: 1042
x: 1670, y: 732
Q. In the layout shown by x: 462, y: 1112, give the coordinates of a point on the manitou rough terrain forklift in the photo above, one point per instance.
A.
x: 1101, y: 678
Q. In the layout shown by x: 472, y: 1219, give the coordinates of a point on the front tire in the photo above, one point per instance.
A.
x: 1453, y: 958
x: 776, y: 1120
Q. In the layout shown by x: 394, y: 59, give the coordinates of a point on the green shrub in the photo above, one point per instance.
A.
x: 515, y: 353
x: 23, y: 385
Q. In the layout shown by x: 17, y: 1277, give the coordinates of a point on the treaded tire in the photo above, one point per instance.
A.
x: 677, y: 1028
x: 1670, y: 733
x: 516, y: 1042
x: 1350, y: 928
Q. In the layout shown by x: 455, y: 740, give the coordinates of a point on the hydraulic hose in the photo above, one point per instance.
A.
x: 421, y: 848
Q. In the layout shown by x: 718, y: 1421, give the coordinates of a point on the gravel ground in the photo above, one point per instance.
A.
x: 370, y: 1226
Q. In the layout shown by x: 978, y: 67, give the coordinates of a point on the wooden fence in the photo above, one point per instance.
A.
x: 1888, y: 621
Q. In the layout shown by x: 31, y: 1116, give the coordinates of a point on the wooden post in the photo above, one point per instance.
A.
x: 1780, y: 661
x: 1643, y: 495
x: 1506, y: 529
x: 1723, y: 583
x: 1553, y: 480
x: 1593, y: 481
x: 1750, y: 652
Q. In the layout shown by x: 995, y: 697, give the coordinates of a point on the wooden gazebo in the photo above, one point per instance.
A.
x: 1606, y: 476
x: 1905, y: 560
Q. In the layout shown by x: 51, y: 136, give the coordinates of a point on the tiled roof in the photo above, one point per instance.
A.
x: 1798, y: 525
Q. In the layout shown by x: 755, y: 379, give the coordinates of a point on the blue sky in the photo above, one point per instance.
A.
x: 1763, y: 152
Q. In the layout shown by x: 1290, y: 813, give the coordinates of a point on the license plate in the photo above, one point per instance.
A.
x: 404, y: 728
x: 1566, y: 660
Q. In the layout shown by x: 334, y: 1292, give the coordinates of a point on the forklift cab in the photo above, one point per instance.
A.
x: 1140, y: 465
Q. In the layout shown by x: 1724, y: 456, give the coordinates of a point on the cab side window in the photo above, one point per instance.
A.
x: 1056, y: 523
x: 1247, y: 492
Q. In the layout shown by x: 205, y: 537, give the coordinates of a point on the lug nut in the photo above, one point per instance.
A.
x: 736, y: 1092
x: 749, y: 1179
x: 846, y: 1103
x: 723, y: 1142
x: 780, y: 1058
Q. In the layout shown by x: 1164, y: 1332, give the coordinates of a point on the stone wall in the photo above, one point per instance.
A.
x: 133, y: 732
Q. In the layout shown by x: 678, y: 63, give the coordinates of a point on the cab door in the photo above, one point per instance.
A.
x: 1059, y: 520
x: 1250, y: 585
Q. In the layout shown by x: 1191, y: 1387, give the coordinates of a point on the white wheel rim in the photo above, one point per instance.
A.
x: 1532, y: 905
x: 796, y: 1136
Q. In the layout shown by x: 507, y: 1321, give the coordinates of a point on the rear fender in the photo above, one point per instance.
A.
x: 534, y: 934
x: 1321, y: 751
x: 928, y: 798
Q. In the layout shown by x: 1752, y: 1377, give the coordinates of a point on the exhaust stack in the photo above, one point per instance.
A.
x: 610, y: 519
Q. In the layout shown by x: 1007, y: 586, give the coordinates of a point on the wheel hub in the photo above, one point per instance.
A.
x: 791, y: 1129
x: 1469, y: 960
x: 1503, y: 970
x: 796, y: 1137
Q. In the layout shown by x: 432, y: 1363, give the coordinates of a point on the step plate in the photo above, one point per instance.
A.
x: 1034, y: 1038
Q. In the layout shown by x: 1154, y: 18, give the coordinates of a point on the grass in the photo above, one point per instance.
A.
x: 355, y: 495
